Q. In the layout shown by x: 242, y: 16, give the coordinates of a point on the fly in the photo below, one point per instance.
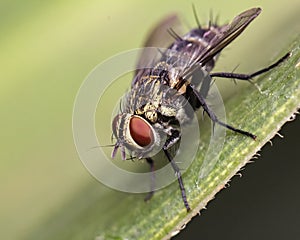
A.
x: 152, y: 109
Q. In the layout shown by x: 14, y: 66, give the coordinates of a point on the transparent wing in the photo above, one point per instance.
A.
x: 159, y: 37
x: 227, y: 35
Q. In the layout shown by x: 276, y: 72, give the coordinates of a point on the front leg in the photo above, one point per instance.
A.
x: 174, y: 138
x: 178, y: 175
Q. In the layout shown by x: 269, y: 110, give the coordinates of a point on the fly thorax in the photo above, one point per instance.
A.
x: 149, y: 111
x: 151, y: 115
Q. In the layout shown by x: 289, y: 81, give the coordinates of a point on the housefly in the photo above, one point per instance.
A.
x: 151, y: 108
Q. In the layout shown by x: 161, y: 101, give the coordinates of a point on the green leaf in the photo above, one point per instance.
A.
x: 114, y: 215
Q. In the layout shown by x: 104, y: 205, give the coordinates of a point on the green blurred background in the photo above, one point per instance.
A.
x: 48, y: 48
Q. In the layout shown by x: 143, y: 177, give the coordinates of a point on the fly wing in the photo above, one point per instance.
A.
x: 159, y: 37
x: 220, y: 41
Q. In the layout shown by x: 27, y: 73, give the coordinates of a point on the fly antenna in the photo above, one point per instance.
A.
x: 123, y: 153
x: 114, y: 152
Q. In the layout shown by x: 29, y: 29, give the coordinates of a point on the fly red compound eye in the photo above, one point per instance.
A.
x: 140, y: 131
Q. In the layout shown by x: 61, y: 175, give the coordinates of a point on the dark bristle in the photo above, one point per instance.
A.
x: 174, y: 34
x: 211, y: 19
x: 196, y: 16
x: 215, y: 23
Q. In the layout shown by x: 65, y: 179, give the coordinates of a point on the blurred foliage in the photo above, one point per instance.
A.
x: 47, y: 49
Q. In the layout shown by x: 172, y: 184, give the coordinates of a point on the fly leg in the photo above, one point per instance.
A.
x: 198, y: 77
x: 178, y: 175
x: 174, y: 138
x: 150, y: 194
x: 248, y: 77
x: 215, y: 119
